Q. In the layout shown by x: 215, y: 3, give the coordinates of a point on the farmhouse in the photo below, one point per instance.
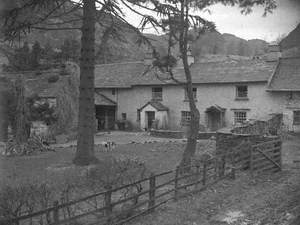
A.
x: 227, y: 92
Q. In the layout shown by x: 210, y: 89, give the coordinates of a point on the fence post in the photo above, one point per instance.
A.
x: 197, y: 176
x: 216, y: 167
x: 251, y: 161
x: 204, y: 173
x: 55, y: 212
x: 222, y: 166
x: 176, y: 184
x: 151, y: 192
x: 280, y: 153
x: 108, y: 207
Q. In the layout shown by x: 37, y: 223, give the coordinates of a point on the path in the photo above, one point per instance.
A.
x: 122, y: 137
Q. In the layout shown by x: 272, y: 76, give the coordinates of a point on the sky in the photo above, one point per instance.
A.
x: 253, y: 26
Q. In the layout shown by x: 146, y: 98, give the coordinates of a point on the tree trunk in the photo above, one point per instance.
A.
x: 192, y: 135
x: 3, y: 113
x: 22, y: 124
x: 190, y: 148
x: 86, y: 122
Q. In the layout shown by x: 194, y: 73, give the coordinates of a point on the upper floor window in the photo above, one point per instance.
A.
x: 241, y: 92
x: 194, y: 94
x: 157, y: 93
x: 296, y: 119
x: 240, y: 116
x: 113, y: 91
x: 124, y: 116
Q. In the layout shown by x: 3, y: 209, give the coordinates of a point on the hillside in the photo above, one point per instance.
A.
x: 127, y: 49
x: 227, y: 44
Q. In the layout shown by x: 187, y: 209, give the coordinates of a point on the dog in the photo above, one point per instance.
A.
x: 108, y: 145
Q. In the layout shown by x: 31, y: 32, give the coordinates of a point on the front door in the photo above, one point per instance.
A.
x: 214, y: 120
x: 150, y: 118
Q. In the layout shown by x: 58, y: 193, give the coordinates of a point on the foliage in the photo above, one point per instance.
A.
x: 31, y: 146
x: 66, y: 110
x: 112, y: 172
x: 40, y: 110
x: 14, y: 201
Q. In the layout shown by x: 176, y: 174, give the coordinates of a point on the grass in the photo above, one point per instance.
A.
x: 158, y: 157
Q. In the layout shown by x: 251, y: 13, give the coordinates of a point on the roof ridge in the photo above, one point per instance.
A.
x: 290, y: 57
x: 119, y: 63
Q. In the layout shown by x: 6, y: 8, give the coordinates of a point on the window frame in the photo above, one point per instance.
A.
x: 296, y: 118
x: 138, y: 115
x: 194, y: 94
x: 124, y: 116
x: 155, y: 94
x: 237, y: 116
x: 186, y: 117
x: 238, y: 95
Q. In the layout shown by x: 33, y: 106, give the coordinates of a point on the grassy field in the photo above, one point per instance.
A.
x: 158, y: 157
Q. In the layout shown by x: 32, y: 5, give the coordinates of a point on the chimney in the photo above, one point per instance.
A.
x: 148, y: 58
x: 273, y: 53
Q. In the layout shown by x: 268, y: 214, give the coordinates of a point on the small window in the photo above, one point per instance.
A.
x: 242, y: 92
x: 113, y: 91
x: 185, y: 117
x: 296, y: 119
x: 240, y: 116
x: 138, y: 115
x: 157, y: 93
x: 124, y: 116
x: 194, y: 94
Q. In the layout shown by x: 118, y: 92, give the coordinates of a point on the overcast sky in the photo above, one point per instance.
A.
x: 229, y: 20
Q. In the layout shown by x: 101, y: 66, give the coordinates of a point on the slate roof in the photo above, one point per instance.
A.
x: 101, y: 99
x: 286, y: 76
x: 157, y: 105
x: 126, y: 75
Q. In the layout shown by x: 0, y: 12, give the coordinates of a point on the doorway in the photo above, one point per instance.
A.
x: 105, y: 116
x: 215, y: 117
x: 150, y: 117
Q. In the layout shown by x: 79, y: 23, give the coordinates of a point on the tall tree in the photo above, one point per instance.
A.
x: 86, y: 123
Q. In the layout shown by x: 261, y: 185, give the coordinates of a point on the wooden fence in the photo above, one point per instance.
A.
x: 113, y: 207
x: 266, y: 157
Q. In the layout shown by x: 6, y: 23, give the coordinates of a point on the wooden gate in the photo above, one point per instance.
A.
x: 266, y: 157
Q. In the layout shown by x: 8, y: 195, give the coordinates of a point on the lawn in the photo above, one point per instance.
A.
x: 158, y: 157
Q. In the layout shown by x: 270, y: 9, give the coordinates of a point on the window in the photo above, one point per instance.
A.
x: 240, y: 116
x: 242, y: 92
x: 113, y: 91
x: 185, y: 117
x: 296, y: 120
x: 157, y: 93
x: 124, y: 116
x: 138, y: 115
x: 194, y: 94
